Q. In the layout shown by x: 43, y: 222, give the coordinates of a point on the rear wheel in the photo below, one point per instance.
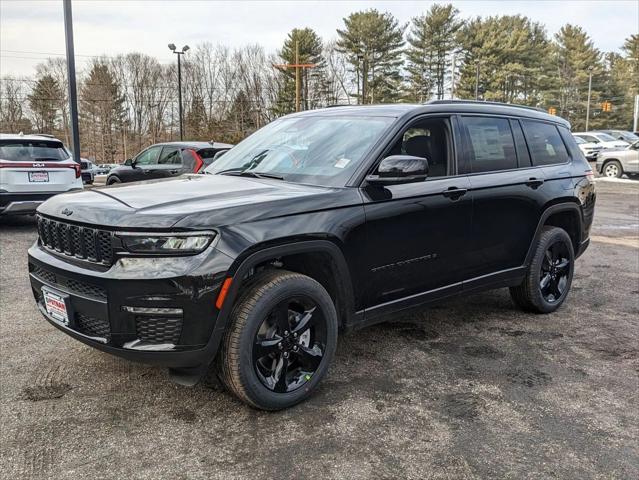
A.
x: 113, y: 180
x: 613, y: 169
x: 549, y: 276
x: 281, y: 340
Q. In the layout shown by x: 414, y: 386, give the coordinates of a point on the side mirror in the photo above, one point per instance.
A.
x: 128, y: 162
x: 398, y: 169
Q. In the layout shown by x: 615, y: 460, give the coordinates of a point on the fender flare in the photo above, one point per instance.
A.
x: 253, y: 259
x: 560, y: 207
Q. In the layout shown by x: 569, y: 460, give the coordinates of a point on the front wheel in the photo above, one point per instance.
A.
x: 113, y: 181
x: 549, y: 276
x: 281, y: 340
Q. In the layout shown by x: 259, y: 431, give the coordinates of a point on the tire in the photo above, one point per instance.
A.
x: 547, y: 283
x: 113, y: 180
x: 612, y: 169
x: 255, y: 327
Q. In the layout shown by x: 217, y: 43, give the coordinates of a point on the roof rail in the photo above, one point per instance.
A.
x: 483, y: 102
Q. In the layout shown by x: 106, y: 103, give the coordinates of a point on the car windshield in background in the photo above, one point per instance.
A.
x: 579, y: 140
x: 604, y: 137
x: 32, y: 151
x: 319, y: 150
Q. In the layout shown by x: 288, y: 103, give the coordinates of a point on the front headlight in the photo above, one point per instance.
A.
x: 173, y: 243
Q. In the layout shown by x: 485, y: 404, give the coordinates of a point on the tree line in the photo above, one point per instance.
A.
x: 129, y: 101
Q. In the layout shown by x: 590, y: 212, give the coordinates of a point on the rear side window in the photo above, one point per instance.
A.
x: 491, y: 144
x: 545, y: 144
x: 32, y: 151
x: 170, y: 156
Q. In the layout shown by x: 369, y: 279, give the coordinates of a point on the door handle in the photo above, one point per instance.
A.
x: 535, y: 182
x: 454, y: 193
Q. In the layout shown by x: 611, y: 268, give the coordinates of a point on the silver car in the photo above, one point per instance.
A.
x: 614, y: 163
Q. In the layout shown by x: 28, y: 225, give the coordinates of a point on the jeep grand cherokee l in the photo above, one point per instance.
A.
x: 321, y: 221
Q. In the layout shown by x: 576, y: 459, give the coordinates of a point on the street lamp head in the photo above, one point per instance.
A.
x: 185, y: 48
x: 172, y: 47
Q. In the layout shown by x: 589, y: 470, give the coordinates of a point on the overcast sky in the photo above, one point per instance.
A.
x: 31, y: 30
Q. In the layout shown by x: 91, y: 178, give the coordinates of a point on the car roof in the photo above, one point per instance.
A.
x: 196, y: 144
x: 20, y: 136
x: 438, y: 106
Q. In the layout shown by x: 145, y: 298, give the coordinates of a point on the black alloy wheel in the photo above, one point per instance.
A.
x: 549, y: 276
x: 555, y: 268
x: 281, y: 340
x: 289, y: 345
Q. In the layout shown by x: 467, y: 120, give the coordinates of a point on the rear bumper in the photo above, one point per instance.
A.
x: 22, y: 203
x: 166, y: 322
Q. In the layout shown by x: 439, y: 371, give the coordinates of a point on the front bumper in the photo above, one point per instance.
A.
x: 142, y: 312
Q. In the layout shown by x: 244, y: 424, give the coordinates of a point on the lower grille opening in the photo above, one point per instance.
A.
x: 158, y: 330
x: 92, y: 326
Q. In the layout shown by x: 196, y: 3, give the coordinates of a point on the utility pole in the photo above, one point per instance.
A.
x: 452, y: 78
x: 298, y: 67
x: 73, y: 94
x: 297, y: 76
x: 179, y: 54
x: 477, y: 82
x: 635, y: 122
x: 589, y: 94
x: 360, y: 57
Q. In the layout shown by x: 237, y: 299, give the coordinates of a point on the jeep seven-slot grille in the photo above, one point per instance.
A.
x: 80, y: 242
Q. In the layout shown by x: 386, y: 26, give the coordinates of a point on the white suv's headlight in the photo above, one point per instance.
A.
x: 172, y: 243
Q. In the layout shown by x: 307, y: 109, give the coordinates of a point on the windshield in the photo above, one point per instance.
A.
x: 310, y: 149
x: 629, y: 137
x: 32, y: 150
x: 604, y: 137
x: 579, y: 140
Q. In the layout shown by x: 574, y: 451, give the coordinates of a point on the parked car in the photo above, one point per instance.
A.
x: 589, y: 149
x: 628, y: 137
x: 166, y: 160
x: 600, y: 138
x: 33, y: 168
x: 88, y: 171
x: 322, y: 220
x: 614, y: 163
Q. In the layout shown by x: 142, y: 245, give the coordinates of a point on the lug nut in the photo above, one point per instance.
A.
x: 286, y: 333
x: 279, y: 345
x: 294, y: 335
x: 285, y: 354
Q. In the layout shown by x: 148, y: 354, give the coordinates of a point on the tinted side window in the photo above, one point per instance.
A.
x: 544, y: 142
x: 148, y: 156
x: 491, y: 144
x: 170, y: 156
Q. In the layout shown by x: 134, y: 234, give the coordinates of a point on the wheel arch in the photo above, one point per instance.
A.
x: 566, y: 215
x: 321, y: 260
x: 608, y: 160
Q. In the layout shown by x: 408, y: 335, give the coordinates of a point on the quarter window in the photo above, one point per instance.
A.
x: 545, y: 144
x: 170, y: 156
x: 491, y: 144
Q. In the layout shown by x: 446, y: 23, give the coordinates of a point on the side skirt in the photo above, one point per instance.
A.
x: 379, y: 313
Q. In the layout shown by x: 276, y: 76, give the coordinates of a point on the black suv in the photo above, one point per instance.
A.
x: 167, y: 160
x: 321, y: 221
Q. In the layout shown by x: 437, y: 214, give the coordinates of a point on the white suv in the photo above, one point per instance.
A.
x: 602, y: 139
x: 32, y: 169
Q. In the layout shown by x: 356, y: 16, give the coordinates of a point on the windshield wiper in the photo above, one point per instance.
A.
x: 249, y: 173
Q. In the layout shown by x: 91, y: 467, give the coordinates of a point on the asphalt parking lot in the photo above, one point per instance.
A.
x: 469, y: 388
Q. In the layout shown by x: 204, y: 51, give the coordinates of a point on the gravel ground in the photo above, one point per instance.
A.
x: 469, y: 388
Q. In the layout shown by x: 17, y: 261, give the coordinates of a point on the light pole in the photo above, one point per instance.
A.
x: 477, y: 82
x: 589, y: 94
x: 179, y: 54
x: 360, y: 58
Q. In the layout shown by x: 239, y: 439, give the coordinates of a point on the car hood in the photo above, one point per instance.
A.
x: 193, y: 201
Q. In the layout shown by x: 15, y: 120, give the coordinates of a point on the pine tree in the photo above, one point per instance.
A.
x: 195, y: 121
x: 505, y: 59
x: 101, y: 111
x: 433, y: 41
x: 373, y: 43
x: 43, y: 101
x: 575, y: 59
x: 310, y: 51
